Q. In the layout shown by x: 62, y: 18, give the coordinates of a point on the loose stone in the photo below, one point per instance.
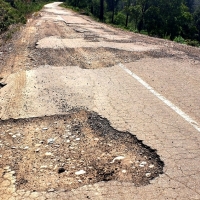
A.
x: 51, y: 190
x: 50, y: 141
x: 37, y: 150
x: 151, y: 166
x: 80, y: 172
x: 148, y: 174
x: 142, y: 164
x: 48, y: 154
x: 117, y: 158
x: 43, y: 167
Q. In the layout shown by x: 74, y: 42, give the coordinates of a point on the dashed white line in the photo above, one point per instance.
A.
x: 163, y: 99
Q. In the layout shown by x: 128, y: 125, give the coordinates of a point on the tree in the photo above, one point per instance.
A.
x: 101, y: 15
x: 112, y: 4
x: 197, y: 21
x: 136, y: 12
x: 190, y: 5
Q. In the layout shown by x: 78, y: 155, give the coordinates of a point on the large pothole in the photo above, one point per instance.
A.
x: 90, y: 58
x: 69, y: 151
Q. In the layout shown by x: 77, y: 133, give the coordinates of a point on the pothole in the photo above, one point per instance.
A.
x: 69, y: 151
x: 90, y: 58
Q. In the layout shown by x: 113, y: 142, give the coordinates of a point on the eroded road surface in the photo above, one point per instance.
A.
x: 93, y: 112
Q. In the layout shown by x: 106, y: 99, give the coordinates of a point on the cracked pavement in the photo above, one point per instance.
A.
x: 63, y: 60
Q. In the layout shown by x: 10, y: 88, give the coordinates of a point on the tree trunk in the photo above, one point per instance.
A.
x: 92, y: 9
x: 113, y: 10
x: 127, y: 15
x: 101, y: 16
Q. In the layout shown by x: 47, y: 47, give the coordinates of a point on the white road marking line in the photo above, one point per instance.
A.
x: 163, y: 99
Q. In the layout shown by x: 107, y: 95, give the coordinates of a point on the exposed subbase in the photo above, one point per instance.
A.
x: 72, y: 150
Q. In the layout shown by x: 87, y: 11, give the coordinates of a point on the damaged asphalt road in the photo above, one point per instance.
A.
x: 75, y: 125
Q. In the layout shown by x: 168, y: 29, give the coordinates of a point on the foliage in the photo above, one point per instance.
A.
x: 119, y: 18
x: 12, y: 12
x: 193, y: 43
x: 179, y: 39
x: 8, y: 15
x: 172, y: 19
x: 197, y: 21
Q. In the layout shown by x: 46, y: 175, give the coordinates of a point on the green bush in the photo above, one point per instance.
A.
x: 179, y: 39
x: 193, y: 43
x: 120, y: 19
x: 8, y: 15
x: 18, y: 13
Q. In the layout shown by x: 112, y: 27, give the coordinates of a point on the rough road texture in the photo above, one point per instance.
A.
x: 62, y: 60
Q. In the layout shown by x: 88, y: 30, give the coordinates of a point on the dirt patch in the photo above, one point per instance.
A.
x: 69, y: 151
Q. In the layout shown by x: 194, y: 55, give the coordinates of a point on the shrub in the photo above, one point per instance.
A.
x: 179, y: 39
x: 8, y: 16
x: 193, y: 43
x: 120, y: 19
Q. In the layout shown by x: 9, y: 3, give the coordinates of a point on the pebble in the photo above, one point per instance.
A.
x: 117, y: 158
x: 37, y: 150
x: 151, y: 166
x: 65, y: 136
x: 148, y: 174
x: 14, y: 136
x: 123, y: 171
x: 68, y: 141
x: 45, y: 128
x: 6, y: 168
x: 37, y: 145
x: 48, y: 154
x: 50, y: 141
x: 43, y: 167
x: 80, y: 172
x: 26, y: 147
x: 142, y: 164
x: 77, y: 139
x: 55, y: 167
x: 0, y: 156
x: 51, y: 190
